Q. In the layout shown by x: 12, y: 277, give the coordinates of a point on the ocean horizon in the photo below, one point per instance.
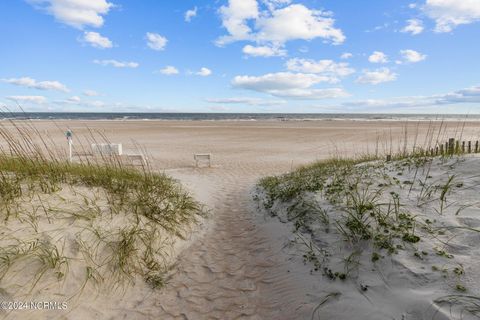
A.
x: 232, y: 116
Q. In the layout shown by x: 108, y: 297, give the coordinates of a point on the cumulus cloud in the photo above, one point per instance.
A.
x: 74, y: 99
x: 328, y: 68
x: 96, y: 40
x: 90, y: 93
x: 469, y: 95
x: 298, y: 22
x: 235, y: 17
x: 414, y: 27
x: 392, y: 104
x: 116, y: 63
x: 77, y: 101
x: 28, y: 99
x: 412, y: 56
x: 448, y: 14
x: 377, y: 76
x: 190, y: 14
x: 378, y: 57
x: 273, y: 4
x: 263, y: 51
x: 247, y: 101
x: 75, y: 13
x: 464, y: 96
x: 204, y: 72
x: 289, y: 85
x: 169, y: 71
x: 156, y: 41
x: 282, y: 22
x: 219, y: 108
x: 41, y: 85
x: 346, y: 55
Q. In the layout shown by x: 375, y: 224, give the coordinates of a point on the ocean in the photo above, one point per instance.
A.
x: 232, y: 116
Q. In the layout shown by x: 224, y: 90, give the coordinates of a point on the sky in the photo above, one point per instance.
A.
x: 298, y: 56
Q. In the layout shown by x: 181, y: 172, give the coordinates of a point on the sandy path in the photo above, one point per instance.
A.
x: 239, y: 269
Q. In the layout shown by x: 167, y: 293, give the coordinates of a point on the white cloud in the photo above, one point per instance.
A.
x: 234, y: 19
x: 289, y: 85
x: 91, y: 93
x: 190, y: 14
x: 414, y: 27
x: 204, y: 72
x: 248, y: 101
x: 378, y: 57
x: 470, y: 95
x: 263, y: 51
x: 28, y: 99
x: 74, y: 99
x: 169, y: 70
x: 219, y: 108
x: 377, y: 76
x: 346, y: 55
x: 76, y: 13
x: 448, y: 14
x: 244, y: 21
x: 327, y: 68
x: 273, y: 4
x: 116, y: 63
x: 77, y: 101
x: 41, y: 85
x: 412, y: 56
x: 156, y: 41
x: 303, y: 49
x: 96, y: 40
x: 298, y: 22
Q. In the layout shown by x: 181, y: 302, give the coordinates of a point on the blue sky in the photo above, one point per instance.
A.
x: 241, y: 56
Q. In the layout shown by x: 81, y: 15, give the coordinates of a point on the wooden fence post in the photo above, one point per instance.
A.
x: 451, y: 145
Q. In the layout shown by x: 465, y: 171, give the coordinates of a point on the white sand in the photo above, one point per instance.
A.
x: 420, y: 281
x: 239, y: 268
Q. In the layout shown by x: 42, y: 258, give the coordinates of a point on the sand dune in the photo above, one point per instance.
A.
x: 238, y: 268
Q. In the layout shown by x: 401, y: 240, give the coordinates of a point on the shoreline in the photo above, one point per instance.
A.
x: 238, y: 260
x: 236, y: 117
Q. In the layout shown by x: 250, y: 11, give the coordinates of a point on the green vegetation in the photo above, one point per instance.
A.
x: 363, y: 201
x: 116, y: 218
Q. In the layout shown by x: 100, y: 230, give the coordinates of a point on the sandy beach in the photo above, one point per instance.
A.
x: 236, y: 266
x: 240, y: 159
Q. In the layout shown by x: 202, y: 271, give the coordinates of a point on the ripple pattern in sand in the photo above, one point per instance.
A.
x: 234, y: 271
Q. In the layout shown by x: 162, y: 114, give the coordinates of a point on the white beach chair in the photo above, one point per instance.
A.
x: 109, y: 149
x: 202, y: 157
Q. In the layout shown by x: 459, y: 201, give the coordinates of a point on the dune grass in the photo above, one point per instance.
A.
x: 350, y: 214
x: 372, y: 206
x: 109, y: 221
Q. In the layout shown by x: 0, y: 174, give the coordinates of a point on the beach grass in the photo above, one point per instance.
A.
x: 100, y: 220
x: 350, y: 214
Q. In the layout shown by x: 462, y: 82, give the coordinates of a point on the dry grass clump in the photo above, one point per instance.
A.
x: 100, y: 221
